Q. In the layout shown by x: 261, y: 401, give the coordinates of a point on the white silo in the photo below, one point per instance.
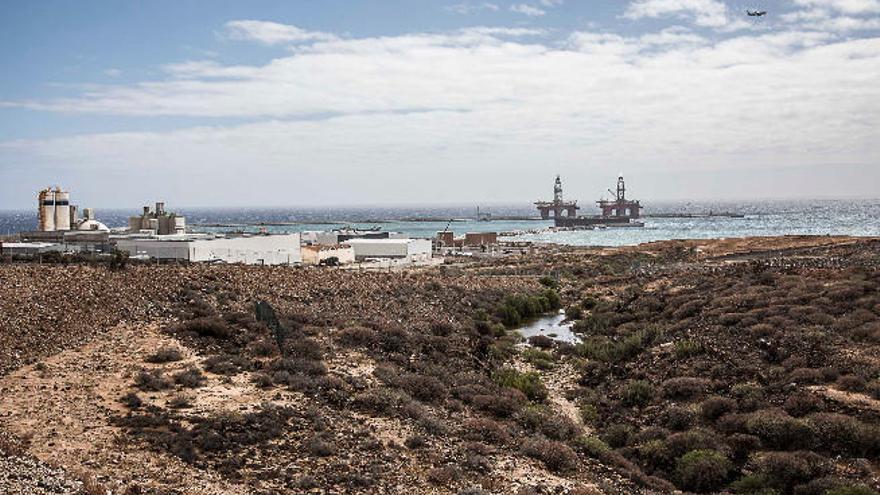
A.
x: 62, y: 209
x: 46, y: 205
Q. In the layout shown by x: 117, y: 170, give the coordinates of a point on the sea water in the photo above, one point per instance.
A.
x: 761, y: 218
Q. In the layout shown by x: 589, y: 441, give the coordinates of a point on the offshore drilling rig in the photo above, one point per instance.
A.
x: 617, y: 212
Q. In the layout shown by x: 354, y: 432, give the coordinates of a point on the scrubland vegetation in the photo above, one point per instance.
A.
x: 749, y: 375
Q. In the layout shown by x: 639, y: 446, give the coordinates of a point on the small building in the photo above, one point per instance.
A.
x: 408, y: 249
x: 318, y: 254
x: 283, y: 249
x: 480, y: 238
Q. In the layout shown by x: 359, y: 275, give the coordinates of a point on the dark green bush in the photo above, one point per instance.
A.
x: 777, y: 430
x: 843, y: 434
x: 637, y: 393
x: 702, y: 471
x: 528, y: 383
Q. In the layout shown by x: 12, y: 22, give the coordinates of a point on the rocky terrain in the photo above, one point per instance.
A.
x: 739, y: 366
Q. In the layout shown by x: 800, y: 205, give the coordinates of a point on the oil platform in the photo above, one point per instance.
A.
x: 617, y: 212
x: 558, y: 205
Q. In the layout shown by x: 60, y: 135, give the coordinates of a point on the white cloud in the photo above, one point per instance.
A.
x: 529, y: 10
x: 851, y: 7
x: 835, y: 15
x: 485, y: 102
x: 272, y: 33
x: 707, y: 13
x: 466, y: 8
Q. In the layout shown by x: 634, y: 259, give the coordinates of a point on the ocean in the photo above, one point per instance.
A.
x: 761, y: 218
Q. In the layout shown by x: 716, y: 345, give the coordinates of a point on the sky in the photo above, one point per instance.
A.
x: 355, y: 102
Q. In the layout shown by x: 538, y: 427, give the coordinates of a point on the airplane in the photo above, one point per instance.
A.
x: 756, y: 13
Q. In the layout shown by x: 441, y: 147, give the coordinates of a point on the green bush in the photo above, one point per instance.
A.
x: 753, y: 484
x: 539, y: 359
x: 529, y: 383
x: 592, y: 446
x: 637, y: 393
x: 519, y: 307
x: 843, y: 434
x: 687, y: 348
x: 702, y: 471
x: 777, y: 430
x: 851, y: 490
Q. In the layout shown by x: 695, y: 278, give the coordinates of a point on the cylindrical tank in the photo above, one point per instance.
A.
x: 179, y: 225
x: 62, y: 209
x: 47, y: 210
x: 88, y: 214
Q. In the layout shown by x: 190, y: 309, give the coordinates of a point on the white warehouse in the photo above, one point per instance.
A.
x: 409, y: 249
x: 250, y: 250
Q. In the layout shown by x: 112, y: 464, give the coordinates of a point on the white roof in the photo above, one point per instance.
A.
x: 379, y: 241
x: 28, y: 244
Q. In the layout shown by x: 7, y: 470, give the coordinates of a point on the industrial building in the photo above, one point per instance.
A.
x: 339, y: 236
x: 406, y: 249
x: 56, y: 214
x: 157, y: 222
x: 282, y: 249
x: 318, y: 254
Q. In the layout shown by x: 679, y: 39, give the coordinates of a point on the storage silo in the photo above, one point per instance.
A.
x: 46, y: 200
x: 62, y: 209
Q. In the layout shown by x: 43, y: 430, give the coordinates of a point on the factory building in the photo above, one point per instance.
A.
x: 406, y: 249
x: 247, y: 249
x: 157, y: 222
x: 317, y: 254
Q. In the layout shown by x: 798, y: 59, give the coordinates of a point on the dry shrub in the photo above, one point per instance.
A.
x: 165, y: 355
x: 544, y: 421
x: 422, y: 387
x: 715, y: 407
x: 806, y: 376
x: 742, y: 444
x: 851, y: 383
x: 505, y: 403
x: 358, y: 337
x: 685, y: 388
x: 208, y: 326
x: 678, y: 418
x: 190, y: 378
x: 784, y: 470
x: 637, y: 393
x: 226, y: 364
x: 151, y: 381
x: 131, y: 400
x: 485, y: 430
x: 443, y: 476
x: 842, y: 434
x: 556, y: 456
x: 802, y: 403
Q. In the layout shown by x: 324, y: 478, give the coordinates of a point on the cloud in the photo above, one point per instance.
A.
x: 850, y: 7
x: 465, y: 8
x: 835, y: 15
x: 482, y: 103
x: 272, y: 33
x: 706, y: 13
x: 529, y: 10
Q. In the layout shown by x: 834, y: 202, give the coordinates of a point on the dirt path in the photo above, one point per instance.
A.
x: 65, y: 404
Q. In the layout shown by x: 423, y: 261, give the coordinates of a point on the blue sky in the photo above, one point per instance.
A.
x: 366, y: 102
